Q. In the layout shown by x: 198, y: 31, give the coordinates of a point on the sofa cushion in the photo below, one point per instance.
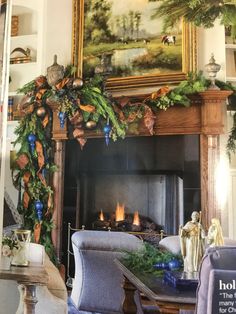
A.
x: 171, y: 244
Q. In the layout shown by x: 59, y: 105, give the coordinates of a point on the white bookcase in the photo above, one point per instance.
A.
x: 31, y: 18
x: 30, y: 35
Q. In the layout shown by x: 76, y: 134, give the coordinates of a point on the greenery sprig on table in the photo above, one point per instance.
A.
x: 143, y: 260
x: 82, y: 103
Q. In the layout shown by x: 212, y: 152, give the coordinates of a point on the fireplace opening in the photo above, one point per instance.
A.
x: 158, y: 177
x: 131, y: 201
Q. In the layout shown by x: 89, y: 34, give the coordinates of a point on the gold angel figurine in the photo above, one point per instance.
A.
x: 215, y: 235
x: 192, y: 241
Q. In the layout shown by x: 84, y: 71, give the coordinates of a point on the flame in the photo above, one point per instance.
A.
x: 120, y: 212
x: 136, y: 220
x: 101, y: 216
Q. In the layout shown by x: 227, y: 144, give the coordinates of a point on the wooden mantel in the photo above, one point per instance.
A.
x: 206, y: 116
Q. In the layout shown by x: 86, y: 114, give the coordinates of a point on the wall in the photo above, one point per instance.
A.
x: 57, y: 31
x: 210, y: 41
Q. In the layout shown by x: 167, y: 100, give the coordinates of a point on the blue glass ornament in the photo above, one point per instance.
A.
x: 62, y: 118
x: 44, y: 172
x: 31, y: 140
x: 107, y: 130
x: 165, y: 265
x: 158, y: 266
x: 174, y: 264
x: 39, y: 209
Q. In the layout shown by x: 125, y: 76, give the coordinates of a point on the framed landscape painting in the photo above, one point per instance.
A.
x: 125, y: 42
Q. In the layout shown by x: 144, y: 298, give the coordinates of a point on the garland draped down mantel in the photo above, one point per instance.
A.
x: 86, y: 106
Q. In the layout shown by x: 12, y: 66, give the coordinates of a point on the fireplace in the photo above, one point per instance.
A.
x: 204, y: 120
x: 158, y: 177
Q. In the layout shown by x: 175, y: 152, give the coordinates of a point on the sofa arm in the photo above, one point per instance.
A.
x: 105, y: 241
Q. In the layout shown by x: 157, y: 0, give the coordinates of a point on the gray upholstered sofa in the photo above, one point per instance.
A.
x: 97, y: 285
x: 216, y: 291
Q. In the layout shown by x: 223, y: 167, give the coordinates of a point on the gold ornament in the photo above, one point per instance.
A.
x: 41, y: 112
x: 78, y: 82
x: 90, y: 124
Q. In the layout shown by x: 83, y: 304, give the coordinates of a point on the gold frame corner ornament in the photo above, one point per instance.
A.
x: 120, y: 84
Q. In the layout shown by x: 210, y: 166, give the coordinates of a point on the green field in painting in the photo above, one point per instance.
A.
x: 91, y: 50
x: 159, y: 58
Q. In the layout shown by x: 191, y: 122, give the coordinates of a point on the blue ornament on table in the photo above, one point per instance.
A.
x: 62, y: 118
x: 174, y: 264
x: 107, y: 130
x: 31, y: 140
x: 158, y: 266
x: 165, y: 265
x: 39, y: 209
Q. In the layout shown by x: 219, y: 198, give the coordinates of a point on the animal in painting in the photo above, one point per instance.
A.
x: 146, y: 41
x: 168, y: 39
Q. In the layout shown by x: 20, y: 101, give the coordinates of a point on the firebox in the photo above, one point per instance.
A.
x: 123, y: 197
x: 153, y: 182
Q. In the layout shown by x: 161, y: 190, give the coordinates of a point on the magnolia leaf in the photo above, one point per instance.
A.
x: 149, y: 119
x: 78, y: 133
x: 162, y: 91
x: 87, y: 108
x: 22, y: 161
x: 119, y: 112
x: 82, y: 141
x: 86, y: 115
x: 62, y: 83
x: 124, y: 101
x: 37, y: 232
x: 97, y: 90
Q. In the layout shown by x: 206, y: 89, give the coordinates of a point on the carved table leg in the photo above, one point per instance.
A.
x: 29, y: 298
x: 129, y: 306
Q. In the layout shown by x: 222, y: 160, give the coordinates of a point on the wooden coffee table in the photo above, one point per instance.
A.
x: 168, y: 299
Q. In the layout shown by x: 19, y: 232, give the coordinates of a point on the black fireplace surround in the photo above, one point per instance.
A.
x: 133, y: 171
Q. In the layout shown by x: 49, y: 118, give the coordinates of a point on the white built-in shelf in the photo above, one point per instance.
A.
x: 11, y: 126
x: 230, y: 46
x: 231, y: 79
x: 21, y: 74
x: 24, y: 41
x: 13, y: 94
x: 23, y: 65
x: 24, y: 37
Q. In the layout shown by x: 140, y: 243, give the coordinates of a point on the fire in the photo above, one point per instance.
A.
x: 101, y: 216
x: 120, y: 212
x: 136, y: 220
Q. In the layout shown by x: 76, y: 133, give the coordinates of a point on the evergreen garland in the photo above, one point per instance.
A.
x: 81, y: 103
x: 143, y: 260
x: 200, y: 12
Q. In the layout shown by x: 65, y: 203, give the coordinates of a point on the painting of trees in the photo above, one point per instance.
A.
x: 130, y: 37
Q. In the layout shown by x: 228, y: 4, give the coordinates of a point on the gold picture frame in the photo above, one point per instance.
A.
x: 134, y: 82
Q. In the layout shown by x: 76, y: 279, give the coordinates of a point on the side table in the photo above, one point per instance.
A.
x: 28, y: 277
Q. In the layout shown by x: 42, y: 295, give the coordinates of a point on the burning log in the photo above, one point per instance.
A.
x: 121, y: 221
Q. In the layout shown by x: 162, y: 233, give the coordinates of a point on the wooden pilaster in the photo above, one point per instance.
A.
x: 59, y: 135
x: 213, y: 112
